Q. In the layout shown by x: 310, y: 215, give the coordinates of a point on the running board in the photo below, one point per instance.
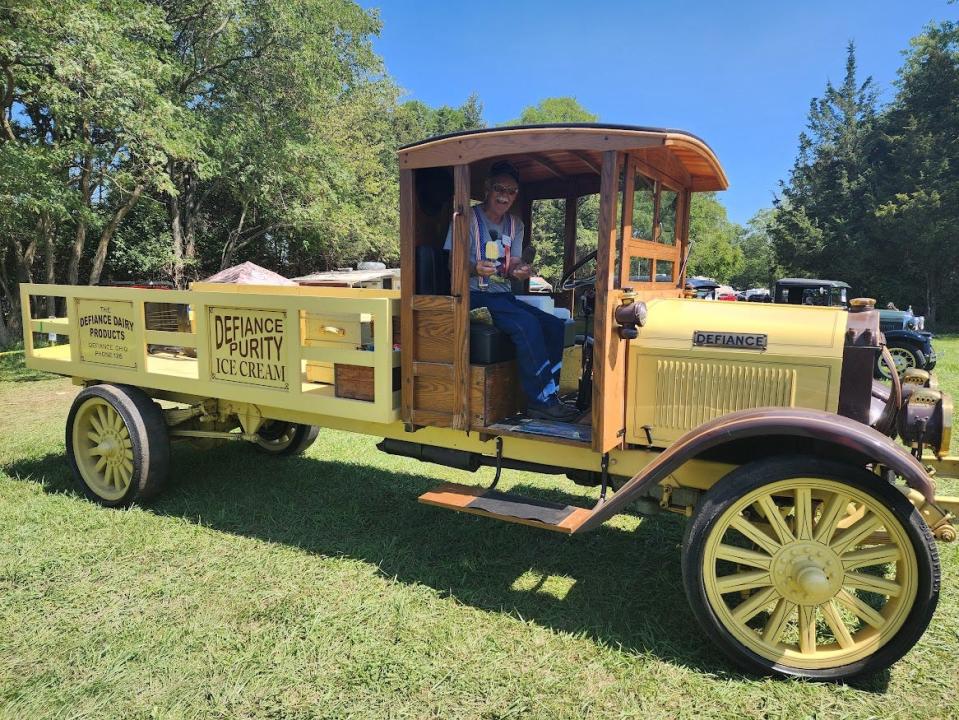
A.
x: 506, y: 506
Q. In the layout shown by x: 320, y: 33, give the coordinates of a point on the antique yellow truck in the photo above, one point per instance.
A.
x: 809, y: 548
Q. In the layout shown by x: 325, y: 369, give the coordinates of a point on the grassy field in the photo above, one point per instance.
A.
x: 318, y: 587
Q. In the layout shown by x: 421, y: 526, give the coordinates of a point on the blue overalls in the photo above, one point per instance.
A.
x: 537, y: 335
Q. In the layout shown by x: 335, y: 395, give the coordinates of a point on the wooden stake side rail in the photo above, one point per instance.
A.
x: 246, y: 344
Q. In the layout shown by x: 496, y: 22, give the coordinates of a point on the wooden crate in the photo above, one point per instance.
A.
x: 495, y: 393
x: 356, y: 381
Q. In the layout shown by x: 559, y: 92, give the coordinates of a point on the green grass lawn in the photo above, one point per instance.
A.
x: 317, y: 587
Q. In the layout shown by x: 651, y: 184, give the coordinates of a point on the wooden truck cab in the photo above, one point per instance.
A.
x: 644, y: 178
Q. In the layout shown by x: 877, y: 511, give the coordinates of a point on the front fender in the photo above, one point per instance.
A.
x: 911, y: 336
x: 870, y: 444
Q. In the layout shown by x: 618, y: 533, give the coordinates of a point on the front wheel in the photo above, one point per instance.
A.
x: 905, y: 357
x: 807, y: 567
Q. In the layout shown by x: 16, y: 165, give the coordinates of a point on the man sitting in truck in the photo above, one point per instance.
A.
x: 496, y: 249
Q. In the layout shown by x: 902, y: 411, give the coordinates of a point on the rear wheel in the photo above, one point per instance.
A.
x: 117, y: 444
x: 276, y: 437
x: 807, y: 567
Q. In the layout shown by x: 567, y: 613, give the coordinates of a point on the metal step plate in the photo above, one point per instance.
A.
x: 508, y: 507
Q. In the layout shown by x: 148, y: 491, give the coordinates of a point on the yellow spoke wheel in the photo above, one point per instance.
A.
x: 807, y: 567
x: 117, y: 444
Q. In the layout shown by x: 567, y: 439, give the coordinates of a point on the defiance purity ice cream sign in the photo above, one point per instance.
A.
x: 249, y: 346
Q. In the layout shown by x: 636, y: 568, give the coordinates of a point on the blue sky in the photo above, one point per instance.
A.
x: 740, y: 75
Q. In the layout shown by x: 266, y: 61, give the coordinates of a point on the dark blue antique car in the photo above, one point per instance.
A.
x: 906, y: 337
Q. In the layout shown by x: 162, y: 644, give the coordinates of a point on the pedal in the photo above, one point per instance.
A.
x: 508, y: 507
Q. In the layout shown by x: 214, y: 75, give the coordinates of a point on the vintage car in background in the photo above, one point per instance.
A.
x: 910, y: 346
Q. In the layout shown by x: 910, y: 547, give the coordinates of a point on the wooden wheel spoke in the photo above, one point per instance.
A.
x: 127, y: 443
x: 124, y: 433
x: 832, y: 513
x: 102, y: 416
x: 95, y: 452
x: 117, y: 420
x: 860, y: 609
x: 108, y: 474
x: 835, y: 622
x: 875, y: 555
x: 101, y: 463
x: 128, y: 454
x: 775, y: 519
x: 754, y: 604
x: 807, y: 628
x: 871, y: 583
x: 803, y: 512
x: 777, y: 620
x: 743, y: 581
x: 743, y: 556
x: 755, y: 534
x: 128, y: 469
x: 856, y: 533
x: 93, y: 437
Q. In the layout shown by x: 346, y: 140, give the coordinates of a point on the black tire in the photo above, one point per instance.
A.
x: 748, y: 478
x: 918, y: 359
x: 149, y: 443
x: 285, y: 438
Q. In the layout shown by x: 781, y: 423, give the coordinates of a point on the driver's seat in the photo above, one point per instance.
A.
x: 488, y: 345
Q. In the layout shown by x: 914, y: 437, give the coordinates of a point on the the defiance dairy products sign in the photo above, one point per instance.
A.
x: 106, y: 332
x: 249, y: 346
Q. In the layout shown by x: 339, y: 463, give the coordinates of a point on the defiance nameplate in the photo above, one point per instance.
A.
x: 729, y: 340
x: 248, y: 346
x: 106, y: 332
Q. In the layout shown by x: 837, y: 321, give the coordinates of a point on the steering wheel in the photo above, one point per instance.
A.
x: 568, y: 282
x: 886, y: 422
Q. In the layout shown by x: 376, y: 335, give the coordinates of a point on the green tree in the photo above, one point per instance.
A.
x: 826, y: 209
x: 715, y: 251
x: 758, y: 268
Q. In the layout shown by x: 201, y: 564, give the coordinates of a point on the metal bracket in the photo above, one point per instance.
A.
x: 499, y: 461
x: 604, y: 468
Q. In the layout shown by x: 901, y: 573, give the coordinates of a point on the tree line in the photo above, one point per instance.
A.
x: 168, y: 139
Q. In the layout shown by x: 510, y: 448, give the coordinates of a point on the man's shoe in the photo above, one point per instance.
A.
x: 557, y: 411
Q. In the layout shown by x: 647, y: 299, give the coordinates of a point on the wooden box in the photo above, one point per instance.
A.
x: 495, y: 393
x: 356, y: 381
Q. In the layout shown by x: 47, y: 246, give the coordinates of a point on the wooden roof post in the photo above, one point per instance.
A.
x: 569, y: 245
x: 629, y: 186
x: 407, y: 288
x: 461, y: 297
x: 609, y: 351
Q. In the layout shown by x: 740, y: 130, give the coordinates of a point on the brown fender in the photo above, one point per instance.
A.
x: 872, y: 445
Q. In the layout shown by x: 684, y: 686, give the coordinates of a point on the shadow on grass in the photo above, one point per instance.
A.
x: 622, y: 589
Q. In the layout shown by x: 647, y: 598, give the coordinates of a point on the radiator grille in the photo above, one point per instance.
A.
x: 691, y: 393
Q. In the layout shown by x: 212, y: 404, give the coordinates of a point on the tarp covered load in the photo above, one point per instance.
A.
x: 249, y: 274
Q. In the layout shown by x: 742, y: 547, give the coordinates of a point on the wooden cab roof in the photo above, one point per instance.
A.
x: 551, y: 157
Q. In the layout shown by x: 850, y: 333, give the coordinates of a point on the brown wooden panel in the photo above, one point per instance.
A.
x: 407, y: 285
x: 647, y: 249
x: 609, y: 369
x: 434, y: 338
x: 629, y: 185
x: 433, y: 302
x: 356, y: 381
x: 440, y: 370
x: 433, y: 393
x: 428, y: 418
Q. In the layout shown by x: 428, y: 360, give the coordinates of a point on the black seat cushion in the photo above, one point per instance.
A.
x: 489, y: 345
x: 432, y: 271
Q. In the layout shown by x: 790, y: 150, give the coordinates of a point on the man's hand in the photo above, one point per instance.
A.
x: 485, y: 268
x: 522, y: 271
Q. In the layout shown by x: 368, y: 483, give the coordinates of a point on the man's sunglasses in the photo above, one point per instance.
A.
x: 505, y: 189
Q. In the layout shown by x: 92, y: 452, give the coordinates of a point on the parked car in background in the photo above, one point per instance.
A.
x: 907, y: 340
x: 910, y: 346
x: 702, y: 288
x: 758, y: 295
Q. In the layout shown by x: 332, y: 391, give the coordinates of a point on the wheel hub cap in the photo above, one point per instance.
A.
x: 807, y: 572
